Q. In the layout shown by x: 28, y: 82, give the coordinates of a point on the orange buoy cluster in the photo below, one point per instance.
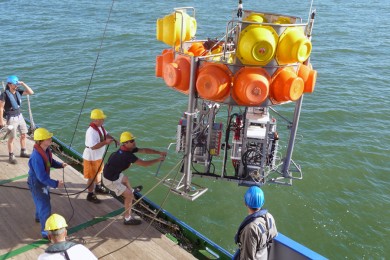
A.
x: 266, y: 62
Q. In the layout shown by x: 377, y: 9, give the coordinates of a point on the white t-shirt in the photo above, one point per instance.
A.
x: 91, y: 139
x: 75, y: 252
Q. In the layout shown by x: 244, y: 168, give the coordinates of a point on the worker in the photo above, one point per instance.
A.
x: 60, y: 248
x: 255, y: 234
x: 96, y: 141
x: 113, y: 176
x: 39, y: 180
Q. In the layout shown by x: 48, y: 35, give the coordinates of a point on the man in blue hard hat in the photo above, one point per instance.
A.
x: 10, y: 103
x: 255, y: 234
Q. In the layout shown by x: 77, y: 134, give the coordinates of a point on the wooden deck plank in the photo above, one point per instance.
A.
x: 109, y: 238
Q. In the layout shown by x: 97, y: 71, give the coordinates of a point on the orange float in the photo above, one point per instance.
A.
x: 251, y: 86
x: 177, y: 73
x: 159, y: 66
x: 309, y: 77
x: 166, y: 57
x: 286, y: 86
x: 197, y: 49
x: 213, y: 82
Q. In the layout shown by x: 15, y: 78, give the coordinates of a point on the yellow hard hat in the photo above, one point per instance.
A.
x: 55, y: 222
x: 42, y: 134
x: 126, y: 136
x: 97, y: 114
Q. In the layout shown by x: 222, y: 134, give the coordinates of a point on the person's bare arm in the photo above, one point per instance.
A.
x: 2, y: 123
x: 27, y: 89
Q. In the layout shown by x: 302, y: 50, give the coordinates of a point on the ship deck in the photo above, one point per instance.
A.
x: 98, y: 226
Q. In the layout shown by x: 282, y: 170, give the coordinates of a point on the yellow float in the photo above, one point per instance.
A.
x: 257, y: 45
x: 293, y: 46
x: 175, y: 27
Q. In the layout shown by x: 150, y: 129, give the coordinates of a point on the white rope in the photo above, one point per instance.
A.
x: 137, y: 201
x: 32, y: 124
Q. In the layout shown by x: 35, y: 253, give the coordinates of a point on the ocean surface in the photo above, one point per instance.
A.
x: 341, y: 208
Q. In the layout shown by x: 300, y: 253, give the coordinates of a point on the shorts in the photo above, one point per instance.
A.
x: 116, y: 186
x: 92, y: 168
x: 19, y: 124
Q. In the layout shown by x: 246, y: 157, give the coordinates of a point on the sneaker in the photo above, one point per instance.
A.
x: 12, y: 159
x: 24, y: 154
x: 138, y: 189
x: 92, y: 198
x: 132, y: 221
x: 135, y: 216
x: 101, y: 190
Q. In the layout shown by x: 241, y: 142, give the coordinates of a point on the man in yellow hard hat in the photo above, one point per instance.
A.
x: 39, y: 180
x: 113, y: 176
x: 96, y: 140
x: 60, y: 248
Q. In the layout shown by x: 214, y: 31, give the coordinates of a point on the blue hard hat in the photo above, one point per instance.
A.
x: 254, y: 197
x: 12, y: 79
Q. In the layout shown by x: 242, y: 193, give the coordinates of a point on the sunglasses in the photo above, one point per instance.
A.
x: 131, y: 141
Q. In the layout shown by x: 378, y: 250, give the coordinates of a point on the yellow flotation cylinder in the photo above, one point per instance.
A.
x: 251, y: 86
x: 214, y: 82
x: 293, y: 46
x: 177, y: 73
x: 283, y: 20
x: 170, y: 27
x: 309, y: 77
x: 257, y: 45
x: 166, y: 57
x: 286, y: 85
x: 255, y: 17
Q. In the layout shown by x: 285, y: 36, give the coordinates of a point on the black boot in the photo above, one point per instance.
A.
x: 24, y: 154
x: 92, y: 198
x: 12, y: 159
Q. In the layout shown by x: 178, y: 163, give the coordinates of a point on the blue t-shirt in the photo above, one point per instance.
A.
x: 118, y: 162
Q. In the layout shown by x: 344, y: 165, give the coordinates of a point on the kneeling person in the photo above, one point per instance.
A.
x: 113, y: 176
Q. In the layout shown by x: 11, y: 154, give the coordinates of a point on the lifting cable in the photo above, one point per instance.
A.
x: 73, y: 136
x: 93, y: 73
x: 85, y: 98
x: 32, y: 125
x: 82, y: 108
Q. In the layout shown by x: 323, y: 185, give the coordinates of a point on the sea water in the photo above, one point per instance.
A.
x: 75, y: 61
